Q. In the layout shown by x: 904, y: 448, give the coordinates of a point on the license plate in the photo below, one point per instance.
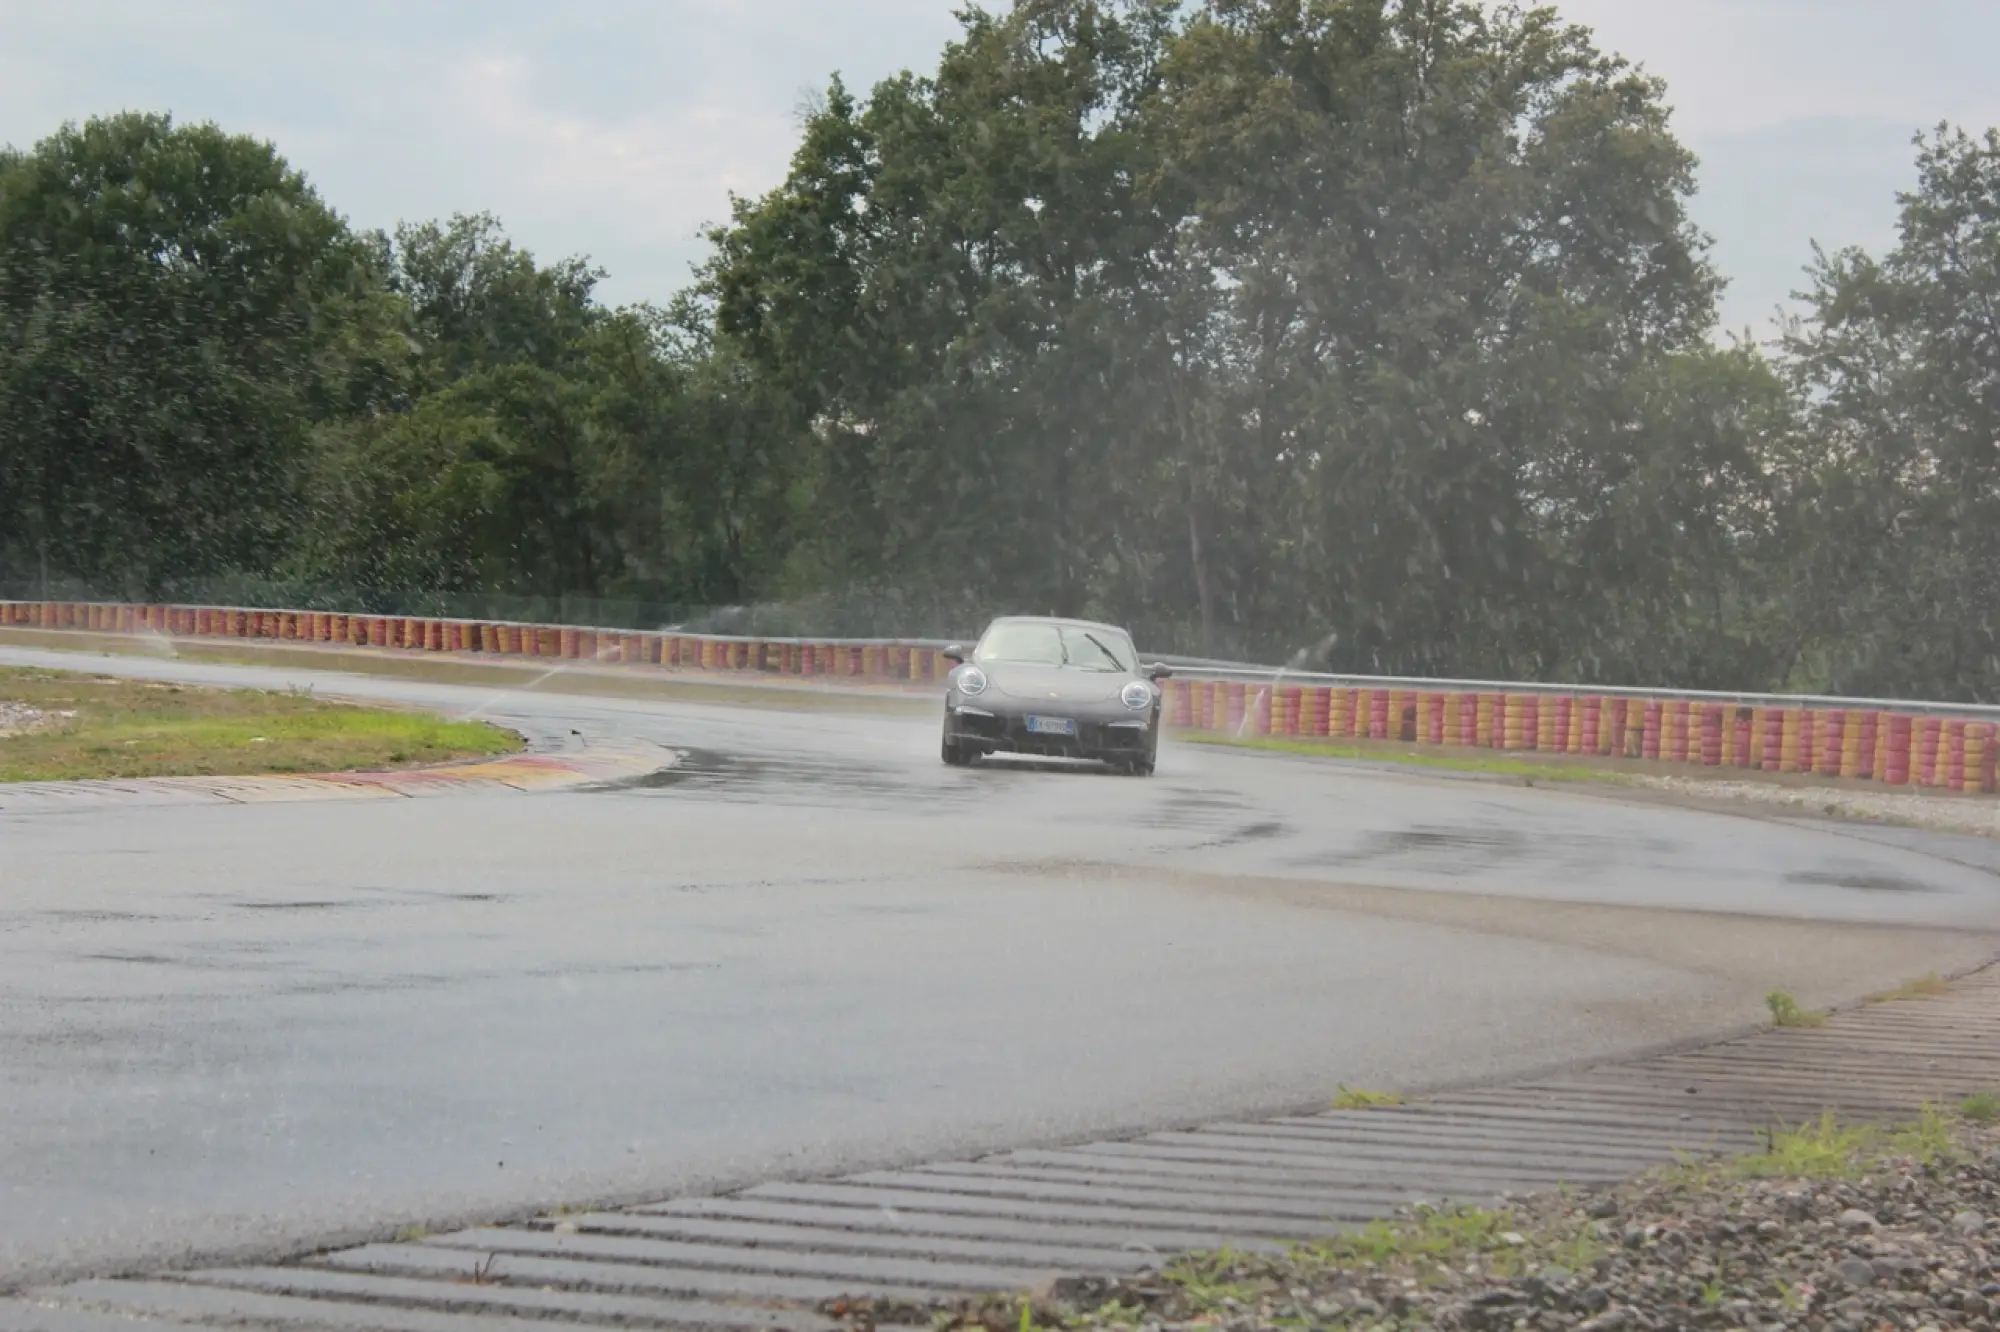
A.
x: 1051, y: 726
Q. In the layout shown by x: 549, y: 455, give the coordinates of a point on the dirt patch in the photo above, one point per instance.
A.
x: 21, y: 719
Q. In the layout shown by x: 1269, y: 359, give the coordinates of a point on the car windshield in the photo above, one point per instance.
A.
x: 1041, y: 644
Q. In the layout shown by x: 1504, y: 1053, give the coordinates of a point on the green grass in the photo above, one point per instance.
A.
x: 1829, y: 1149
x: 1785, y: 1011
x: 1421, y: 1243
x: 1982, y: 1107
x: 1924, y: 987
x: 1354, y: 1098
x: 133, y: 728
x: 1455, y: 760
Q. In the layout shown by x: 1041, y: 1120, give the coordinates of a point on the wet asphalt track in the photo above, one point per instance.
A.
x: 811, y: 948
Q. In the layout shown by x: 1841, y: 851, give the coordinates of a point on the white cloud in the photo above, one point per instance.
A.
x: 619, y: 127
x: 1744, y: 66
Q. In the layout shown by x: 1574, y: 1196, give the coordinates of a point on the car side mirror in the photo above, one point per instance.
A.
x: 1159, y: 670
x: 954, y: 653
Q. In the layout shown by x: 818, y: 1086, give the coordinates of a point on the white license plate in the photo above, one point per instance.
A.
x: 1051, y: 726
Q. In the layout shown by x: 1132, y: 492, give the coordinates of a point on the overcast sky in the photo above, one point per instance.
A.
x: 617, y: 128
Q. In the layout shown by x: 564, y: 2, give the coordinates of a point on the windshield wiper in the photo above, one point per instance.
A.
x: 1109, y: 655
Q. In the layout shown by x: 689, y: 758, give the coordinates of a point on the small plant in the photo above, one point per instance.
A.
x: 1354, y: 1098
x: 1204, y: 1284
x: 1785, y: 1011
x: 483, y: 1273
x: 1826, y: 1150
x: 411, y: 1234
x: 1982, y: 1107
x: 1712, y: 1292
x: 1928, y: 1140
x: 1924, y: 987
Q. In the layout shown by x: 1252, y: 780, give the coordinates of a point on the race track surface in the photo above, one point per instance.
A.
x: 808, y: 947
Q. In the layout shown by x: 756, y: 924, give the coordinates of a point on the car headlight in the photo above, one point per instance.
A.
x: 971, y: 681
x: 1137, y: 695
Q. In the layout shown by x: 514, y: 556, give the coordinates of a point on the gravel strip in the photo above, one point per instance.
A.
x: 1833, y: 1229
x: 20, y: 719
x: 1975, y: 814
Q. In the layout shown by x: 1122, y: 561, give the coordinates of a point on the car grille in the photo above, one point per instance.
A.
x: 1012, y: 734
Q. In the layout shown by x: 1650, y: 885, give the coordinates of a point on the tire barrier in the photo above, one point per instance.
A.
x: 1935, y: 746
x: 898, y: 661
x: 1888, y: 743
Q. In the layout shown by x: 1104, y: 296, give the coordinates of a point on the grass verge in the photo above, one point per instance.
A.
x: 78, y: 727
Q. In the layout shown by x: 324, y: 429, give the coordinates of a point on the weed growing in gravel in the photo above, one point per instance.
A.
x: 1829, y: 1149
x: 1353, y: 1098
x: 1982, y: 1107
x: 1929, y: 1140
x: 1785, y: 1011
x: 1449, y: 1237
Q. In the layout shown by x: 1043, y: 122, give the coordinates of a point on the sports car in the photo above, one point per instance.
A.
x: 1057, y: 688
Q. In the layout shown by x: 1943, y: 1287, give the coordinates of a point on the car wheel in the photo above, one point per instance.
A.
x: 956, y: 755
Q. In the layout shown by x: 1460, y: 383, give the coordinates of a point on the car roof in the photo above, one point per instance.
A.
x: 1057, y: 620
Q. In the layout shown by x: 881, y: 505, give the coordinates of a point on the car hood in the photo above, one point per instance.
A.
x: 1064, y: 684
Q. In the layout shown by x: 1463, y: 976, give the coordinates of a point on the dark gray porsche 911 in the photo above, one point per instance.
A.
x: 1059, y: 688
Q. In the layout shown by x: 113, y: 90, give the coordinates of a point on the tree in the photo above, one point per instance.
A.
x: 176, y: 307
x: 940, y: 286
x: 1446, y: 250
x: 1894, y: 500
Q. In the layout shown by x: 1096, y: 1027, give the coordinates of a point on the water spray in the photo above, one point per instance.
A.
x: 1297, y: 661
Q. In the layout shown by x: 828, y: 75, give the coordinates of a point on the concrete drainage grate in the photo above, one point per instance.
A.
x: 777, y: 1255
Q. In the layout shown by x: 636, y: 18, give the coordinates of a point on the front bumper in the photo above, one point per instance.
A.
x: 1003, y: 730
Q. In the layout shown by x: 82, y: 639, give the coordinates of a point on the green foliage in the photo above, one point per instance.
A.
x: 177, y: 307
x: 1927, y: 986
x: 1830, y: 1149
x: 1894, y: 494
x: 1785, y: 1011
x: 1355, y: 1098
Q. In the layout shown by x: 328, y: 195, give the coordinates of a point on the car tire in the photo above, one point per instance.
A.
x: 956, y: 755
